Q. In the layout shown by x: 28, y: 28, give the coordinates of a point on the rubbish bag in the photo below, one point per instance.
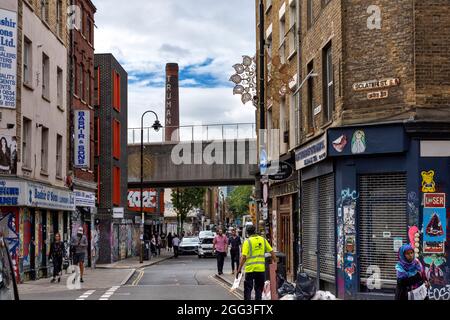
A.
x: 237, y: 282
x: 280, y: 281
x: 266, y: 294
x: 323, y: 295
x: 286, y: 288
x: 305, y: 287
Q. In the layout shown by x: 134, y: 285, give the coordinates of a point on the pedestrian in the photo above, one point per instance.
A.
x: 158, y: 244
x: 56, y: 254
x: 79, y: 245
x: 410, y: 273
x: 153, y: 245
x: 169, y: 241
x: 235, y: 247
x: 163, y: 241
x: 253, y: 257
x: 175, y: 243
x: 220, y: 245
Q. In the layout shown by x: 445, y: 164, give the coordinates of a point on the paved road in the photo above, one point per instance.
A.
x: 184, y: 278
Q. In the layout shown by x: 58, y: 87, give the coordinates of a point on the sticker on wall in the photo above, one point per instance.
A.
x: 340, y: 143
x: 349, y: 220
x: 435, y: 224
x: 398, y: 242
x: 350, y: 244
x: 359, y: 142
x: 433, y: 247
x: 428, y: 184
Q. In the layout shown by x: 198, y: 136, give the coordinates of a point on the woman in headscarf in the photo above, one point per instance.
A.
x: 410, y: 273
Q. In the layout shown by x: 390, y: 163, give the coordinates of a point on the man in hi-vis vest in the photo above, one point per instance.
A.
x: 253, y: 251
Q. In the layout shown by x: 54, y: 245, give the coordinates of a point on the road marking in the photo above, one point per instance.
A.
x: 85, y: 295
x: 138, y: 278
x: 235, y: 293
x: 109, y: 293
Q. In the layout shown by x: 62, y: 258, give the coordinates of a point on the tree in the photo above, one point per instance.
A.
x: 238, y: 200
x: 184, y: 200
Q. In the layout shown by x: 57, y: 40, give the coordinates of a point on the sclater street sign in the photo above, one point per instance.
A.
x: 284, y: 172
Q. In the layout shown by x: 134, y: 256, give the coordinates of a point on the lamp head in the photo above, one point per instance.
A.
x: 157, y: 125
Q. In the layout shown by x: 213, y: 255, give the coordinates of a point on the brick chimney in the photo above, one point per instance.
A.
x: 172, y: 102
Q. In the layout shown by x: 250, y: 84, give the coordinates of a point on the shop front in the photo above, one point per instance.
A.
x: 30, y: 215
x: 84, y: 216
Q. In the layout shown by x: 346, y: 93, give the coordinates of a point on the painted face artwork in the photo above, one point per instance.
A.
x: 359, y: 142
x: 428, y: 184
x: 340, y: 143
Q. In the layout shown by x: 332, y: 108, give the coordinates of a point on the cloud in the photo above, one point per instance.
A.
x: 205, y: 37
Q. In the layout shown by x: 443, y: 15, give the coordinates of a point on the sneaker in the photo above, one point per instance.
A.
x: 59, y: 279
x: 81, y: 280
x: 53, y: 280
x: 232, y: 272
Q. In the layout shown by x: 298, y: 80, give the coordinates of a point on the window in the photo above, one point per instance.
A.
x: 325, y: 2
x: 116, y: 88
x: 292, y: 27
x: 59, y: 17
x: 80, y: 82
x: 89, y: 30
x: 59, y: 86
x: 86, y: 91
x: 59, y: 156
x: 97, y: 86
x: 27, y: 61
x: 81, y: 29
x: 116, y: 139
x: 328, y: 83
x: 45, y: 76
x: 268, y: 5
x: 116, y: 186
x: 26, y: 143
x: 284, y: 124
x: 310, y: 68
x: 44, y: 10
x: 282, y: 50
x: 44, y: 150
x: 293, y: 120
x: 310, y: 14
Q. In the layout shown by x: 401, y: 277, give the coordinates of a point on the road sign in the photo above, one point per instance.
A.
x: 284, y: 172
x: 265, y: 212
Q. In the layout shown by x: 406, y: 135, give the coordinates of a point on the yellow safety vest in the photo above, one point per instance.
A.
x: 254, y: 249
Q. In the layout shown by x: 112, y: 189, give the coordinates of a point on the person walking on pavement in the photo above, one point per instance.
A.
x: 153, y: 245
x: 56, y: 255
x: 220, y: 245
x: 163, y: 241
x: 175, y: 243
x: 253, y: 257
x: 158, y: 244
x: 235, y: 245
x: 169, y: 241
x: 410, y: 273
x: 79, y: 245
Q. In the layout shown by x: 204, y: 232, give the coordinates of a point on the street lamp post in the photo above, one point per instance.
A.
x: 156, y: 126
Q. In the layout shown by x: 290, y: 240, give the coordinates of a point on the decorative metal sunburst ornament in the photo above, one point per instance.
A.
x: 245, y: 80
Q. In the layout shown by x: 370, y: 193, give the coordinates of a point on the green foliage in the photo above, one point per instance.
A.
x: 186, y: 199
x: 238, y: 200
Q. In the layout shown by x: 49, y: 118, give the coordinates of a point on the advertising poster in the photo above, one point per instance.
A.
x: 434, y: 227
x: 8, y: 58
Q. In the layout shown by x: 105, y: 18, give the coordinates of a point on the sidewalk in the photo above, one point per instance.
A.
x: 133, y: 263
x: 228, y: 279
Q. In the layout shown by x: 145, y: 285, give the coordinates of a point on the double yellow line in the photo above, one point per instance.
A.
x: 138, y: 278
x: 227, y: 287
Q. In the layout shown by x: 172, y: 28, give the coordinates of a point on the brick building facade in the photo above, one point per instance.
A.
x: 373, y: 140
x: 119, y: 237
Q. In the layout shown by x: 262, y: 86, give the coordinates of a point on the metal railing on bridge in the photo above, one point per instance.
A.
x: 187, y: 133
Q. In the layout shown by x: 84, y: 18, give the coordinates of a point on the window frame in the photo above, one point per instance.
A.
x: 310, y: 96
x: 44, y: 150
x: 59, y: 155
x: 45, y: 76
x: 59, y: 87
x: 116, y: 139
x: 116, y: 186
x: 27, y: 61
x: 116, y: 91
x: 26, y: 143
x: 328, y: 82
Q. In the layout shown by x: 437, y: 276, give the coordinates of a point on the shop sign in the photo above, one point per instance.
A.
x: 284, y: 172
x: 11, y: 193
x: 84, y: 199
x: 8, y: 59
x: 46, y: 197
x: 376, y: 84
x: 312, y: 153
x: 434, y: 200
x: 118, y: 213
x: 82, y: 139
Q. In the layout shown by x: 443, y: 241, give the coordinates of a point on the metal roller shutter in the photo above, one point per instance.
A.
x: 382, y: 217
x: 319, y: 202
x: 309, y: 225
x: 326, y: 228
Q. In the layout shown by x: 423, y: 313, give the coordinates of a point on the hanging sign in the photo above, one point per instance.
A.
x: 8, y: 59
x: 82, y: 139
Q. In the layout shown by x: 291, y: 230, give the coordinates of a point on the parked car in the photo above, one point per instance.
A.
x: 205, y: 248
x: 8, y: 286
x: 189, y: 245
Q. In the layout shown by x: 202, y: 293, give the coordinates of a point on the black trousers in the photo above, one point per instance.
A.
x: 175, y: 251
x: 256, y: 280
x: 57, y: 266
x: 234, y: 259
x: 220, y: 260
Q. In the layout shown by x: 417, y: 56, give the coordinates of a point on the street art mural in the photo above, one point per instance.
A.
x: 95, y: 236
x: 359, y: 142
x: 9, y: 229
x: 346, y: 239
x: 428, y: 184
x: 115, y: 242
x: 25, y: 241
x: 413, y: 208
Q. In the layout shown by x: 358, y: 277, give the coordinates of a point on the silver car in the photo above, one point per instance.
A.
x: 188, y: 245
x: 205, y: 248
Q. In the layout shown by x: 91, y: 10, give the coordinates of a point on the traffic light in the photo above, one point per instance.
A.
x: 252, y: 209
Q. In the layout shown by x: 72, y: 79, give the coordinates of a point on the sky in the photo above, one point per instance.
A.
x: 205, y: 37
